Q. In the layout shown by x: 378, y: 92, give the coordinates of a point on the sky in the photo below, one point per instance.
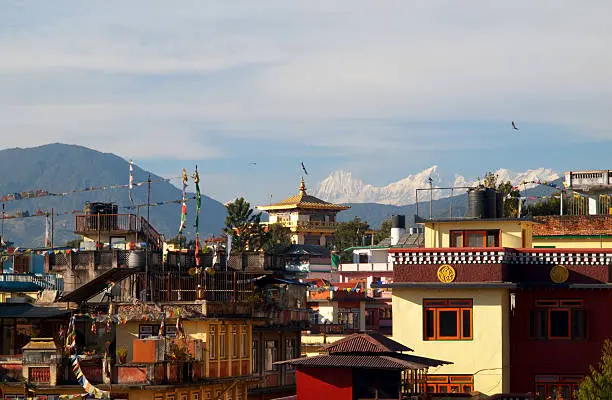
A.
x: 381, y: 89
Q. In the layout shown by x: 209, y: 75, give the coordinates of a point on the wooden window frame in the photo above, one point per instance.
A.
x: 544, y: 308
x: 212, y: 346
x: 446, y: 383
x: 463, y: 236
x: 459, y: 306
x: 223, y: 343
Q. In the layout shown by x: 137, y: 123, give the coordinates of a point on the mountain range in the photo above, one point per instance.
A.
x: 59, y: 168
x: 342, y: 187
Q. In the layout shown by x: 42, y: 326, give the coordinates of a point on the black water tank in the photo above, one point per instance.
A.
x: 482, y: 203
x: 500, y: 205
x: 398, y: 221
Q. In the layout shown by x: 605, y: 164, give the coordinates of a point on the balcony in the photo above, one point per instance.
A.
x: 318, y: 226
x: 367, y: 267
x: 120, y: 224
x: 43, y: 281
x: 201, y: 295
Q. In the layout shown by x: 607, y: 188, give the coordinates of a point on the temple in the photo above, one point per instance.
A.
x: 311, y: 220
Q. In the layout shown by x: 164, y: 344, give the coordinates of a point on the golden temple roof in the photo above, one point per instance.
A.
x: 303, y: 200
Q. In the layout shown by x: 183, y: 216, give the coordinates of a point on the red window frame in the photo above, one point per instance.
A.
x: 545, y: 307
x: 547, y: 385
x: 463, y: 236
x: 436, y: 306
x: 450, y: 384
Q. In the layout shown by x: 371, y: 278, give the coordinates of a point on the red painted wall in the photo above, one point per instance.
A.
x: 324, y: 383
x: 530, y: 357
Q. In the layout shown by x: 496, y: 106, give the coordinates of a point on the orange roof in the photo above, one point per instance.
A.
x: 303, y: 200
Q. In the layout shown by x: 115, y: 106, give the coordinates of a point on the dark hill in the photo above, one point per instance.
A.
x: 61, y: 168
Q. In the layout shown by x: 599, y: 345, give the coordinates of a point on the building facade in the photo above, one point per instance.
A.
x: 311, y: 220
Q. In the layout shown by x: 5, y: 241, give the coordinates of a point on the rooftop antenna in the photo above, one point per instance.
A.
x: 430, y: 180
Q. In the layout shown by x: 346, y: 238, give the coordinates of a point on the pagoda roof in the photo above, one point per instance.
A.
x: 303, y: 200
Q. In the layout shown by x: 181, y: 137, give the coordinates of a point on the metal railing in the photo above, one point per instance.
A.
x: 45, y: 281
x: 88, y: 223
x: 232, y: 287
x: 154, y: 238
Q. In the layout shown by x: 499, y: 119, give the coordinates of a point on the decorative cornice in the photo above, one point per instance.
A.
x: 503, y: 256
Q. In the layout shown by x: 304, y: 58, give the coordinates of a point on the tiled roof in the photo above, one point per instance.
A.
x: 303, y: 200
x: 40, y: 344
x: 572, y: 225
x: 365, y: 343
x: 406, y: 240
x: 390, y: 361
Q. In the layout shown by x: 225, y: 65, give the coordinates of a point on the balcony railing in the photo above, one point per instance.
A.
x: 93, y: 223
x: 45, y: 281
x: 308, y: 225
x: 367, y: 267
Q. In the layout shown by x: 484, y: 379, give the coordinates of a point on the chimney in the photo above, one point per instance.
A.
x: 398, y: 228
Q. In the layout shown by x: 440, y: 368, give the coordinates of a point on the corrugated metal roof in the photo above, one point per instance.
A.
x: 26, y: 310
x: 359, y: 361
x: 365, y: 343
x: 406, y: 240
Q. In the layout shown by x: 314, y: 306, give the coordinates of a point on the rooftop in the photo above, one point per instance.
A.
x: 573, y: 225
x: 303, y: 200
x: 365, y: 343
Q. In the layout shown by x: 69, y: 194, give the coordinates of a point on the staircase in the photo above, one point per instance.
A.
x: 154, y: 239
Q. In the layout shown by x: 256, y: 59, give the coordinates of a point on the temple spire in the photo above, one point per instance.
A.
x: 302, y: 186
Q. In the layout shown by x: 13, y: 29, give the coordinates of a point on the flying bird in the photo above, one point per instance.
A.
x: 514, y: 126
x: 253, y: 163
x: 304, y: 168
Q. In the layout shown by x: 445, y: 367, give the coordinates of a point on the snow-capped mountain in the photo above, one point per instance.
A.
x: 342, y: 187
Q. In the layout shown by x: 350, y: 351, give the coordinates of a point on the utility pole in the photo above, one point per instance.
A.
x: 561, y: 206
x: 52, y: 225
x: 430, y: 197
x: 148, y: 198
x: 2, y: 234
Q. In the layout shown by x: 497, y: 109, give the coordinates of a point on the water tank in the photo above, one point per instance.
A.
x: 482, y: 203
x: 398, y: 228
x: 136, y: 259
x: 500, y: 205
x: 100, y: 208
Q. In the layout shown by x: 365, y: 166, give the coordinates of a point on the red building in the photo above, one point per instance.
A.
x: 361, y: 366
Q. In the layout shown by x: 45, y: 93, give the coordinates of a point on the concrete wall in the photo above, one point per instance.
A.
x: 437, y: 234
x: 486, y: 356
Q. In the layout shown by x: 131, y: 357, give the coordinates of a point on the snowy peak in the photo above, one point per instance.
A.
x: 342, y: 187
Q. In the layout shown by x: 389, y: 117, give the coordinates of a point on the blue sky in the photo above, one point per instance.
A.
x: 382, y: 89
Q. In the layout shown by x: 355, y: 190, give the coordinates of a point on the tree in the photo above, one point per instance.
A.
x: 349, y: 234
x: 244, y: 226
x: 178, y: 240
x: 507, y: 191
x: 278, y: 236
x: 598, y: 384
x: 74, y: 243
x: 384, y: 231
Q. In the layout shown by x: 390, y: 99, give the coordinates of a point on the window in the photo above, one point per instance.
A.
x: 234, y: 342
x: 558, y: 319
x: 447, y: 319
x: 475, y: 238
x: 255, y: 357
x: 212, y: 345
x: 290, y: 351
x: 363, y: 258
x: 450, y: 383
x: 271, y: 355
x: 348, y: 318
x: 170, y: 331
x: 557, y: 386
x: 314, y: 317
x: 244, y: 334
x: 222, y: 343
x: 146, y: 331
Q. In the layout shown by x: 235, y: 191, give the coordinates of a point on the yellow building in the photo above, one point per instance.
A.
x: 451, y: 301
x: 311, y: 220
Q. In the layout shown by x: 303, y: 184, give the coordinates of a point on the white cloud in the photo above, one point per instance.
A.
x: 151, y: 72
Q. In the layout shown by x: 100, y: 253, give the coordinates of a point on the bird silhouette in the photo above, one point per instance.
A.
x: 514, y: 126
x: 304, y: 168
x: 253, y: 163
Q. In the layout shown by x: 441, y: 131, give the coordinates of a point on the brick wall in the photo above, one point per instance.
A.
x: 572, y: 225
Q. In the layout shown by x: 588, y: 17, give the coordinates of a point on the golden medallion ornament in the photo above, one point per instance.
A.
x: 559, y: 274
x: 446, y: 273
